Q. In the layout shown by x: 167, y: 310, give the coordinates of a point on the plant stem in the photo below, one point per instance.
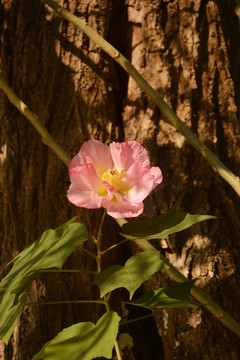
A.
x: 113, y: 246
x: 137, y: 319
x: 198, y: 293
x: 34, y: 120
x: 10, y: 262
x: 98, y: 243
x: 67, y: 271
x: 67, y: 302
x: 99, y: 255
x: 89, y: 253
x: 116, y: 345
x: 118, y: 352
x: 174, y: 120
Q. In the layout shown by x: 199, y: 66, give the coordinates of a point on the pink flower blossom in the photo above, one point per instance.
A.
x: 117, y: 177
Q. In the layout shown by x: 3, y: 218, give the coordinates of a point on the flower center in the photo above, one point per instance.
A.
x: 112, y: 177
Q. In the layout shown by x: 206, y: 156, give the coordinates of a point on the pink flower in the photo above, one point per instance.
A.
x: 117, y: 177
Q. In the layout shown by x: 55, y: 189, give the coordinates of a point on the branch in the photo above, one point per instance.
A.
x: 212, y: 159
x: 34, y: 120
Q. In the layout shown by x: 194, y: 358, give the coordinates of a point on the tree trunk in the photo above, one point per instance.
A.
x: 189, y: 52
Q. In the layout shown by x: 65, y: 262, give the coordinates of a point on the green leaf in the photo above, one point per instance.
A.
x: 173, y: 296
x: 49, y: 250
x: 136, y: 270
x: 8, y: 323
x: 60, y: 228
x: 162, y: 226
x: 83, y: 341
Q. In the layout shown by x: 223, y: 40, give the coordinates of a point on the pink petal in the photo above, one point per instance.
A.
x: 85, y: 178
x: 139, y: 153
x: 75, y: 162
x: 120, y: 208
x: 110, y: 190
x: 124, y: 155
x: 96, y: 153
x: 157, y: 174
x: 108, y: 186
x: 141, y: 181
x: 118, y: 155
x: 84, y: 198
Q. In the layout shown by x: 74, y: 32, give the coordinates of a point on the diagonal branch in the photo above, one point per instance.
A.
x: 34, y: 120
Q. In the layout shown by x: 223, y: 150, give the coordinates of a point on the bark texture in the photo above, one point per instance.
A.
x: 189, y: 52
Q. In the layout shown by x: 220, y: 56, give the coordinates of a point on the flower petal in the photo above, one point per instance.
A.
x: 85, y: 184
x: 96, y: 153
x: 140, y: 180
x: 125, y: 154
x: 120, y: 208
x: 139, y: 153
x: 84, y: 198
x: 157, y: 175
x: 85, y: 178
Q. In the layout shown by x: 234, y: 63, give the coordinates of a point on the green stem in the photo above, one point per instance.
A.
x: 174, y: 120
x: 10, y: 262
x: 198, y: 293
x: 89, y: 253
x: 99, y: 255
x: 67, y: 302
x: 34, y: 120
x: 116, y: 345
x: 98, y: 243
x: 113, y: 246
x: 67, y: 271
x: 136, y: 319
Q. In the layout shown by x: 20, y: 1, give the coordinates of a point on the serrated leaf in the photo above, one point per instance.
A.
x: 162, y: 226
x: 173, y: 296
x: 136, y: 270
x: 83, y: 341
x: 49, y: 250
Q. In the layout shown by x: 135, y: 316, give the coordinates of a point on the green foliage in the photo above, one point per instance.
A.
x: 61, y: 228
x: 173, y: 296
x: 162, y: 226
x: 49, y: 250
x: 136, y: 270
x: 86, y: 340
x: 12, y: 316
x: 83, y: 341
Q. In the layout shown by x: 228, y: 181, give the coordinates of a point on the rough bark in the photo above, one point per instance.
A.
x: 189, y: 52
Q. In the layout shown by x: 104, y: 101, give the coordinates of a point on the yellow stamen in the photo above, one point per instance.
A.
x: 113, y: 178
